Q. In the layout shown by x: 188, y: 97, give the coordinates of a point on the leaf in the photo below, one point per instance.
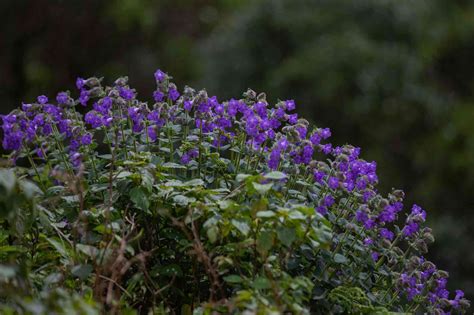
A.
x: 81, y: 271
x: 241, y: 177
x: 89, y: 250
x: 7, y: 179
x: 71, y: 199
x: 265, y: 214
x: 123, y: 174
x: 59, y: 246
x: 181, y: 200
x: 265, y: 241
x: 195, y: 182
x: 262, y: 188
x: 261, y: 283
x: 139, y: 198
x: 233, y: 279
x: 30, y: 189
x: 275, y: 175
x: 7, y: 272
x: 173, y: 165
x: 286, y: 235
x: 242, y: 226
x: 340, y: 259
x: 212, y: 234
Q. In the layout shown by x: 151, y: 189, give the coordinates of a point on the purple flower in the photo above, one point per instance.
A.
x: 333, y: 182
x: 328, y: 201
x: 62, y: 98
x: 159, y: 75
x: 188, y: 105
x: 293, y: 119
x: 188, y: 156
x: 126, y: 93
x: 274, y: 159
x: 173, y: 94
x: 322, y: 210
x: 151, y: 131
x: 375, y: 256
x: 290, y: 105
x: 158, y: 96
x: 84, y: 97
x: 86, y: 139
x: 368, y: 241
x: 80, y: 82
x: 410, y: 229
x: 387, y: 234
x: 42, y: 99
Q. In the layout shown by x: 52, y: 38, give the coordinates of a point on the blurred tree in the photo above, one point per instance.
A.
x: 393, y: 77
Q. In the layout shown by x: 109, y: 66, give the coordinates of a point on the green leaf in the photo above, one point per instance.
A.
x: 181, y: 200
x: 286, y: 235
x: 195, y: 182
x: 340, y: 259
x: 275, y: 175
x: 233, y: 279
x: 88, y: 250
x: 265, y: 241
x: 212, y: 234
x: 261, y: 283
x: 173, y: 165
x: 7, y: 272
x: 265, y: 214
x: 81, y: 271
x: 7, y: 179
x: 30, y: 189
x: 242, y: 226
x: 139, y: 198
x: 262, y: 188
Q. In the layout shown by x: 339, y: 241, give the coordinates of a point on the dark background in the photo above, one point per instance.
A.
x: 395, y: 77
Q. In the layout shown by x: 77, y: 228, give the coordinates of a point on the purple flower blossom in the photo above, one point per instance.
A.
x: 80, y: 82
x: 84, y: 97
x: 333, y: 182
x: 62, y: 98
x: 86, y: 139
x: 387, y: 234
x: 159, y: 75
x: 290, y: 105
x: 126, y: 93
x: 173, y: 94
x: 188, y: 105
x: 158, y: 96
x: 42, y: 99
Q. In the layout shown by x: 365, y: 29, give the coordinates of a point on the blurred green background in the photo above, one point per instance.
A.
x: 395, y: 77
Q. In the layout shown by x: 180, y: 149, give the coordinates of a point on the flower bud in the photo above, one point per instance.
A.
x: 92, y: 82
x: 250, y: 95
x: 96, y: 91
x: 122, y: 81
x: 262, y: 97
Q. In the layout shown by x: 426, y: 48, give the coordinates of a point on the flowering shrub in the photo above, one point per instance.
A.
x: 195, y: 205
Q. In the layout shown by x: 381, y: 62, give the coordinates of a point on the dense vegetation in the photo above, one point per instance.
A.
x: 194, y: 205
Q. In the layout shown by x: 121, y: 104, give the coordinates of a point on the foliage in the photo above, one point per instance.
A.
x: 394, y: 77
x: 194, y: 205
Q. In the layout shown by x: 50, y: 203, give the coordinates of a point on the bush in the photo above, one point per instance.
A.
x: 195, y: 206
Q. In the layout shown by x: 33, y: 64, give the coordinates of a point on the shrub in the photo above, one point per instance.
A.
x: 195, y: 205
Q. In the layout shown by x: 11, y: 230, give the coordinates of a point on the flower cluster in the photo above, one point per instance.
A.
x: 254, y: 137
